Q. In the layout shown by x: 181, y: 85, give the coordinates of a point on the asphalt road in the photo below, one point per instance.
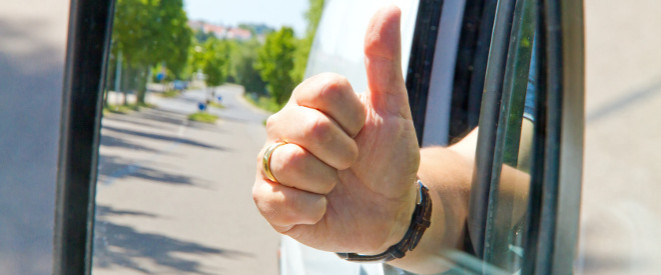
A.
x: 173, y: 196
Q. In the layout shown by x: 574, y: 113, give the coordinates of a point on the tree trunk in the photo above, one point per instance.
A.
x: 141, y: 88
x: 118, y: 77
x: 125, y: 81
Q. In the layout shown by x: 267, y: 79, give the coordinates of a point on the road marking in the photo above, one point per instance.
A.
x: 182, y: 128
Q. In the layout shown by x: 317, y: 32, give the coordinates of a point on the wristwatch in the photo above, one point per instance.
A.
x: 420, y: 221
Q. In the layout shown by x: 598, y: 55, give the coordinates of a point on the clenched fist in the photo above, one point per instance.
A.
x: 345, y: 179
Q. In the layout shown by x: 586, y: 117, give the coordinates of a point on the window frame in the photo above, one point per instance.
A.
x: 554, y: 218
x: 88, y: 44
x: 419, y: 71
x: 554, y: 198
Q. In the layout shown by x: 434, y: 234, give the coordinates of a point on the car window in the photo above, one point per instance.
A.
x: 183, y: 119
x: 160, y: 166
x: 502, y: 179
x: 515, y: 133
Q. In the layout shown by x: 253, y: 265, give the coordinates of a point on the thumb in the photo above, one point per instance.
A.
x: 386, y: 87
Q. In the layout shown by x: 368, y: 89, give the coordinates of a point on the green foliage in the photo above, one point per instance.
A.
x: 264, y: 103
x: 125, y: 109
x: 170, y: 93
x: 312, y: 15
x: 275, y: 61
x: 243, y: 58
x: 301, y: 58
x: 119, y: 109
x: 216, y: 105
x: 196, y: 56
x: 148, y: 32
x: 203, y: 117
x: 216, y: 61
x: 202, y: 36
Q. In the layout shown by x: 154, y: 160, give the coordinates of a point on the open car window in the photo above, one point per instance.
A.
x: 509, y: 60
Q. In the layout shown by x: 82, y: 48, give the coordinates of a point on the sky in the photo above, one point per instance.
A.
x: 275, y: 13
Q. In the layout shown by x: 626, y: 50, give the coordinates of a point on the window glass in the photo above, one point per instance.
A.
x: 509, y: 197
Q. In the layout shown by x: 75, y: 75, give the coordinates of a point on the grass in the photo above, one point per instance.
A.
x: 170, y: 93
x: 264, y: 103
x: 125, y: 109
x: 203, y: 117
x: 217, y: 105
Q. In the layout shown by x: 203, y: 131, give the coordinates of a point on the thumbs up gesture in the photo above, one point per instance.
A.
x: 342, y: 175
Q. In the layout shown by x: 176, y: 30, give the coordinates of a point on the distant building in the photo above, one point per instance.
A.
x: 220, y: 32
x: 238, y: 34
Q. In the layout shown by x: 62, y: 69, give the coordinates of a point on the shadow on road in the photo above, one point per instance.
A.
x: 627, y: 100
x: 139, y: 122
x: 111, y: 141
x: 118, y: 245
x: 102, y: 211
x: 163, y: 138
x: 113, y: 168
x: 161, y: 115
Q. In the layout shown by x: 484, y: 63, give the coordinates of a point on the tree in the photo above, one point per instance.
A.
x: 275, y: 60
x: 149, y: 32
x: 312, y: 15
x: 243, y: 59
x: 216, y: 61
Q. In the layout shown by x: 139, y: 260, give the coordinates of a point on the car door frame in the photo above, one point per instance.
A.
x: 90, y: 23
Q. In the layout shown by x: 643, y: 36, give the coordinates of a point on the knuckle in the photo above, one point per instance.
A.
x: 333, y: 87
x: 274, y: 208
x: 318, y: 128
x: 271, y: 121
x: 262, y: 202
x: 256, y: 196
x: 294, y: 159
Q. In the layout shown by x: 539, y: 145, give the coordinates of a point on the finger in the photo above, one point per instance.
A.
x: 284, y: 206
x: 386, y: 86
x: 295, y: 167
x: 316, y: 132
x: 332, y: 94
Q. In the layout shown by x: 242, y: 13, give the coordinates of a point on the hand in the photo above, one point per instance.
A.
x: 346, y: 178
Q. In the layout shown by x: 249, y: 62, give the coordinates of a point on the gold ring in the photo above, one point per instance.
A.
x: 266, y: 160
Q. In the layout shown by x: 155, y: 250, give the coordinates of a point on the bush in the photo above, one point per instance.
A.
x: 203, y: 117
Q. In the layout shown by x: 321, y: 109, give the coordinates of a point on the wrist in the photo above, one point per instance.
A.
x: 403, y: 218
x: 420, y: 220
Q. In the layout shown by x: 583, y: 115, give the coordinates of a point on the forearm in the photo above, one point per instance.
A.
x: 447, y: 172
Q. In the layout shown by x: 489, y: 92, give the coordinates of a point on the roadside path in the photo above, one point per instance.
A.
x: 173, y: 196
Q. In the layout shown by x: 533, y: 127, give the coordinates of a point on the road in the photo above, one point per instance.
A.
x: 173, y: 196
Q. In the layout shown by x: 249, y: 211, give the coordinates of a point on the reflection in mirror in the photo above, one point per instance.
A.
x: 515, y: 133
x: 184, y: 110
